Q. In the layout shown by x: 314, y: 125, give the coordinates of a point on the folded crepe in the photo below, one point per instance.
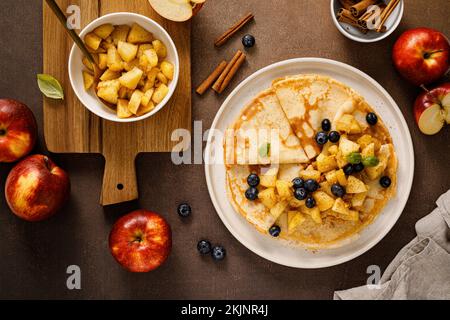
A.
x: 308, y: 99
x: 262, y: 135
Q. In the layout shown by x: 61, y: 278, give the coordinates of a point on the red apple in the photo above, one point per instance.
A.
x: 432, y: 109
x: 36, y: 188
x: 141, y: 241
x: 421, y: 55
x: 18, y: 130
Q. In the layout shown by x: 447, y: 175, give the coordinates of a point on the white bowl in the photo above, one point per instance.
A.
x: 354, y: 34
x: 89, y: 98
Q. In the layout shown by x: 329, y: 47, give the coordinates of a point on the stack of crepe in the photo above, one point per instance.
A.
x: 275, y: 134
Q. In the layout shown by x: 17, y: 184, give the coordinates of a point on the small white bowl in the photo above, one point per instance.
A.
x: 89, y: 98
x: 354, y: 34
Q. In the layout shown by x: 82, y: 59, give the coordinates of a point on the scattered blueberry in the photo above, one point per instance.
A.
x: 326, y: 125
x: 248, y: 41
x: 311, y: 185
x: 218, y: 253
x: 358, y: 167
x: 253, y: 180
x: 371, y: 118
x: 300, y: 194
x: 310, y: 202
x: 334, y: 136
x: 204, y: 246
x: 385, y: 182
x: 321, y: 138
x: 338, y: 190
x: 184, y: 210
x: 275, y: 231
x: 348, y: 169
x: 298, y: 183
x: 251, y: 193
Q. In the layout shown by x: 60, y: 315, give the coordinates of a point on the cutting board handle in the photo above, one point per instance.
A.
x: 119, y: 180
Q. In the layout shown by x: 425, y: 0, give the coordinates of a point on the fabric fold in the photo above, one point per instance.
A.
x: 421, y: 270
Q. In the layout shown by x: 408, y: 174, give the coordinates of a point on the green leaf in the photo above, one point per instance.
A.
x: 354, y: 158
x: 371, y: 161
x: 50, y: 87
x: 264, y: 150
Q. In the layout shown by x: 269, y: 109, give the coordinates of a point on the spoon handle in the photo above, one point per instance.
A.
x: 63, y: 19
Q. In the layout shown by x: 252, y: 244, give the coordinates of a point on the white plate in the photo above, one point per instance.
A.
x: 280, y: 251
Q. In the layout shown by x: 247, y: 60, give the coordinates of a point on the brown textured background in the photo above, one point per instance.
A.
x: 34, y: 257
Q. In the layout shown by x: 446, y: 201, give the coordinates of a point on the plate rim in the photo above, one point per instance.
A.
x: 366, y: 247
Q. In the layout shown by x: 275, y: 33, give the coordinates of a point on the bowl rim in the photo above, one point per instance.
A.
x: 171, y: 43
x: 361, y: 39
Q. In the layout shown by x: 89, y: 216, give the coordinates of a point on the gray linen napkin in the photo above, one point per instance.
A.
x: 421, y: 270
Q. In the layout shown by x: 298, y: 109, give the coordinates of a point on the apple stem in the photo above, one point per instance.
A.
x: 447, y: 75
x: 424, y: 88
x: 427, y: 55
x: 47, y: 163
x: 2, y: 132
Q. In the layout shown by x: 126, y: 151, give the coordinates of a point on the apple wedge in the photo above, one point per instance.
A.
x: 177, y: 10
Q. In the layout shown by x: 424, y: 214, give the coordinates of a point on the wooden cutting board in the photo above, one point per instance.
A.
x: 70, y: 128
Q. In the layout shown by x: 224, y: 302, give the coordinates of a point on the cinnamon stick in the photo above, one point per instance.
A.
x: 231, y: 31
x: 353, y: 23
x: 232, y: 73
x: 220, y: 80
x: 345, y: 13
x: 345, y: 16
x: 387, y: 13
x: 359, y: 8
x: 211, y: 78
x: 347, y: 4
x: 371, y: 15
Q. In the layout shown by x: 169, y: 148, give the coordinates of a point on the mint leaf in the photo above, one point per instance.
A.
x: 371, y: 161
x: 264, y: 150
x: 354, y: 158
x: 50, y: 87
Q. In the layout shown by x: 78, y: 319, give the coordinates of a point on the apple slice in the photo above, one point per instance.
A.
x: 432, y: 109
x: 432, y: 120
x: 177, y: 10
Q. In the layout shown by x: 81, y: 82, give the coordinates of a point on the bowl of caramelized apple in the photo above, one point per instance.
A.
x: 135, y: 69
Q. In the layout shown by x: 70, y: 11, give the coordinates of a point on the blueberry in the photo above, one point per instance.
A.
x: 358, y: 167
x: 310, y: 202
x: 311, y: 185
x: 326, y: 125
x: 300, y: 194
x: 253, y: 180
x: 371, y: 118
x: 204, y: 246
x: 338, y: 190
x: 251, y: 193
x: 334, y: 136
x: 275, y: 231
x: 385, y: 182
x: 298, y: 183
x: 184, y: 210
x: 218, y: 253
x: 248, y: 41
x: 321, y: 138
x: 348, y: 169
